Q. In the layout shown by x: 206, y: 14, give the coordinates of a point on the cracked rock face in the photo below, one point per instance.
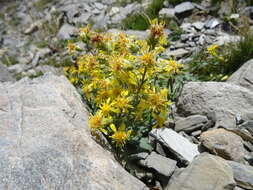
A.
x: 45, y: 142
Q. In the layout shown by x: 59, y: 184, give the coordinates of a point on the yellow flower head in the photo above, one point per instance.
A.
x: 120, y: 136
x: 106, y: 108
x: 173, y: 67
x: 96, y: 121
x: 212, y: 49
x: 71, y: 47
x: 157, y: 101
x: 148, y: 59
x: 83, y: 32
x: 157, y: 28
x: 160, y: 118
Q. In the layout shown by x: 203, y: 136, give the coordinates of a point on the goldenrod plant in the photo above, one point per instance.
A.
x: 124, y: 81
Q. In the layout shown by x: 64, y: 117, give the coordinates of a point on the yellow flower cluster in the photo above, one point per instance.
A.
x: 213, y: 51
x: 120, y: 78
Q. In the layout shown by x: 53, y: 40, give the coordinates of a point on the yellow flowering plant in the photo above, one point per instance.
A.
x: 123, y: 80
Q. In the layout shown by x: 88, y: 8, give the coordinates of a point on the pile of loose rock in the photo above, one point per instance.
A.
x: 32, y: 34
x: 45, y: 142
x: 211, y: 143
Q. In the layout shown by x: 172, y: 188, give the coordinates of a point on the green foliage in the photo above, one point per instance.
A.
x: 219, y: 63
x: 123, y: 3
x: 175, y: 2
x: 176, y: 31
x: 40, y: 5
x: 141, y: 21
x: 124, y: 81
x: 239, y: 53
x: 8, y: 60
x: 36, y: 75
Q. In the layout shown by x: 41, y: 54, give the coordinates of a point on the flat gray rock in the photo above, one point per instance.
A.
x: 179, y: 145
x: 167, y: 13
x: 243, y: 175
x: 45, y: 142
x: 160, y: 164
x: 191, y: 123
x: 205, y: 172
x: 184, y: 7
x: 223, y: 100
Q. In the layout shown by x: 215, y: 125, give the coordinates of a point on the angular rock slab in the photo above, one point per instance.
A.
x: 224, y: 143
x: 206, y: 172
x: 180, y: 146
x: 243, y: 175
x: 224, y: 100
x: 162, y: 165
x: 45, y: 142
x: 191, y: 123
x: 244, y: 75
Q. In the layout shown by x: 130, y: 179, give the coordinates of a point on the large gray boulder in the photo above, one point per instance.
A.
x: 222, y: 101
x: 45, y: 142
x: 244, y: 75
x: 204, y: 173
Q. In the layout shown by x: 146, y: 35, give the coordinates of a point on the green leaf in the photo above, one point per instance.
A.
x: 145, y: 145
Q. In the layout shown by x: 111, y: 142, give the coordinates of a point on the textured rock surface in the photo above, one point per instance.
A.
x: 191, y: 123
x: 204, y: 173
x: 162, y: 165
x: 5, y: 75
x: 244, y: 76
x: 45, y: 142
x: 180, y: 146
x: 223, y: 100
x: 224, y: 144
x: 184, y: 7
x: 243, y: 175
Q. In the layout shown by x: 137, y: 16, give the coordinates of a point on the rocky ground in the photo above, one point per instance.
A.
x: 44, y: 138
x: 33, y: 34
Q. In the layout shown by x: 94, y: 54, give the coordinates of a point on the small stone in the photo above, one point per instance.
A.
x: 99, y: 6
x: 167, y: 13
x: 181, y: 147
x: 114, y: 11
x: 196, y: 133
x: 234, y: 16
x: 160, y: 164
x: 212, y: 23
x: 32, y: 28
x: 198, y: 25
x: 243, y: 174
x: 179, y: 53
x: 139, y: 156
x: 191, y: 123
x: 247, y: 125
x: 184, y: 7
